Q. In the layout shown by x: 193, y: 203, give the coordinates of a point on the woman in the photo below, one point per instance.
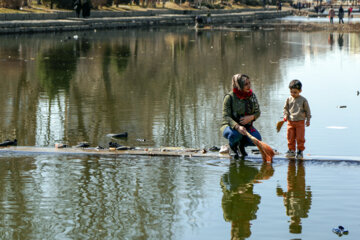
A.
x: 240, y: 110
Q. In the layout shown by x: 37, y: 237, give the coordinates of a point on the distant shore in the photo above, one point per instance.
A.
x: 66, y: 21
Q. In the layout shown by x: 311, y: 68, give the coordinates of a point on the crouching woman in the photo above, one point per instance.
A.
x: 240, y: 110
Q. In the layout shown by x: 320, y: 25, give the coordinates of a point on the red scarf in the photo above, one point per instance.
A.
x: 242, y: 94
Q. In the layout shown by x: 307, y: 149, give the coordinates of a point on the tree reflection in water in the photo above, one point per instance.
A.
x: 239, y: 202
x: 297, y: 199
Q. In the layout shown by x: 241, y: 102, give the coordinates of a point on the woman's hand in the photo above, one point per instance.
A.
x: 240, y: 129
x: 246, y: 119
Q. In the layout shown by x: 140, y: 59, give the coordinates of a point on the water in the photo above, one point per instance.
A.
x: 320, y: 19
x: 166, y: 86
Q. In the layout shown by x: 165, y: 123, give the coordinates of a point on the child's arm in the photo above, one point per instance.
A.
x: 307, y: 113
x: 286, y: 110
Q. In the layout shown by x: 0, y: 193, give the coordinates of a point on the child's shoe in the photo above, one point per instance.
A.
x: 290, y: 154
x: 299, y: 155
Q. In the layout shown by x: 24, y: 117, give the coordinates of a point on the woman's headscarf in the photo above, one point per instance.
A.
x: 238, y: 81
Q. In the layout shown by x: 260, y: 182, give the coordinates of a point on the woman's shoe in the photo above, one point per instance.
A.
x: 242, y: 150
x: 235, y: 151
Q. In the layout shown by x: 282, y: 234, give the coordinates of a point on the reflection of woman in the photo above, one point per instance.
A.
x: 341, y: 40
x: 240, y: 110
x: 239, y: 202
x: 297, y: 199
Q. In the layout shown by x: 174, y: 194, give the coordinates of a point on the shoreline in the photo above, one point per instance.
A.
x: 220, y: 19
x: 65, y: 21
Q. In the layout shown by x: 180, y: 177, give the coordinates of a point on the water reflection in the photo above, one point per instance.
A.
x: 331, y: 40
x: 239, y: 201
x: 340, y: 40
x: 56, y: 68
x: 297, y: 198
x: 165, y: 86
x: 48, y: 197
x: 153, y: 85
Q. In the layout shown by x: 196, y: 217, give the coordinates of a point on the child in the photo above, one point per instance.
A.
x: 296, y: 111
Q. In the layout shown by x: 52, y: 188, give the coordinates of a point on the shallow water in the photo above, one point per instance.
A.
x: 320, y: 19
x: 166, y: 86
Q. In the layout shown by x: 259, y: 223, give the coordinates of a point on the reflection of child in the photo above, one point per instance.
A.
x: 297, y: 199
x: 296, y: 111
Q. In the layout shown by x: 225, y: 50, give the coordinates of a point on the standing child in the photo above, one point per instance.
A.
x: 297, y: 113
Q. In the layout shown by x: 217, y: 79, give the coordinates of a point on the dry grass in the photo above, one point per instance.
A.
x: 184, y: 6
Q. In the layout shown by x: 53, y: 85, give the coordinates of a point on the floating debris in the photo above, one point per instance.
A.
x: 114, y: 145
x: 60, y: 145
x: 83, y: 145
x: 340, y: 231
x: 140, y: 140
x: 336, y: 127
x: 214, y: 149
x: 118, y: 135
x: 125, y: 148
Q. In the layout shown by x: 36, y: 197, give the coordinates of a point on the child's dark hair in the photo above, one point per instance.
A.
x: 295, y: 84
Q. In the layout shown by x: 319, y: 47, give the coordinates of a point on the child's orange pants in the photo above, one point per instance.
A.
x: 296, y: 134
